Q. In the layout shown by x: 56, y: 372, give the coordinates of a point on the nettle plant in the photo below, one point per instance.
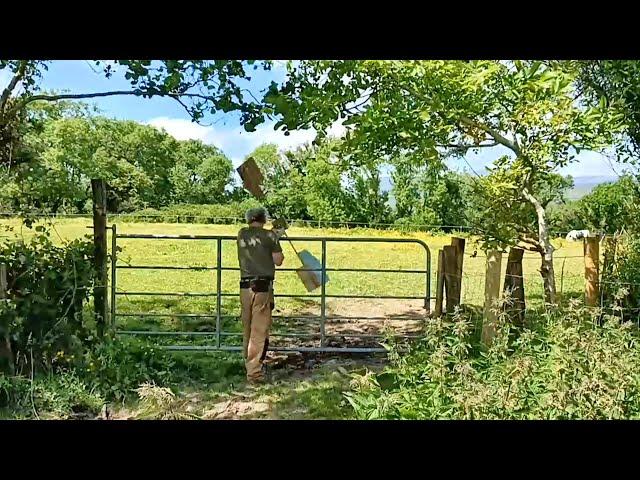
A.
x: 532, y: 111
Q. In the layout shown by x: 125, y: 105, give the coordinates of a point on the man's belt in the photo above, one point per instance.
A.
x: 257, y: 284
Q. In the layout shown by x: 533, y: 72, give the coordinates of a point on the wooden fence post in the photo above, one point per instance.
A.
x: 591, y: 270
x: 514, y: 285
x: 99, y: 190
x: 491, y: 295
x: 451, y: 278
x: 5, y: 343
x: 459, y: 244
x: 439, y: 284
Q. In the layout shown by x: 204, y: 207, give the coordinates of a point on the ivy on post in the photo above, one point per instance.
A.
x: 99, y: 190
x: 514, y: 286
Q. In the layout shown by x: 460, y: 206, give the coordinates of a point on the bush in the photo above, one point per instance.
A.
x: 108, y: 370
x: 573, y: 364
x: 116, y: 367
x: 47, y: 288
x: 621, y: 282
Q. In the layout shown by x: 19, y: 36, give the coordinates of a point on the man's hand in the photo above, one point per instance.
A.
x: 279, y: 227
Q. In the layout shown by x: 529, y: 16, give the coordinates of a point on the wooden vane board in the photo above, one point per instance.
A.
x: 251, y: 177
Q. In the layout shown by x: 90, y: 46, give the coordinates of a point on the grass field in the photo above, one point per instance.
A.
x: 202, y: 253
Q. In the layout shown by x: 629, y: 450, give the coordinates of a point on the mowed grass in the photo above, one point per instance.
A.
x: 569, y: 265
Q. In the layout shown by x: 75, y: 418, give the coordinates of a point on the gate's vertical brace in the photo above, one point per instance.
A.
x: 427, y: 294
x: 218, y: 291
x: 439, y: 284
x: 323, y: 292
x: 114, y: 248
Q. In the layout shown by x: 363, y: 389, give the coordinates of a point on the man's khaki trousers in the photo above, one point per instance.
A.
x: 256, y: 320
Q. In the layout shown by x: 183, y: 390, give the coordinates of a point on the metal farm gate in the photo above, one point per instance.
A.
x: 221, y: 338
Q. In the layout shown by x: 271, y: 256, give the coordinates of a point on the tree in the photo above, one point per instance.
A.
x: 610, y: 207
x: 283, y: 180
x: 436, y: 109
x: 428, y: 193
x: 616, y: 84
x: 200, y: 174
x: 200, y: 86
x: 143, y: 167
x: 369, y: 204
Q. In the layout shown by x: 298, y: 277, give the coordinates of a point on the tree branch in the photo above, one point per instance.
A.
x: 532, y: 241
x: 461, y: 146
x: 72, y: 96
x: 12, y: 84
x: 497, y: 136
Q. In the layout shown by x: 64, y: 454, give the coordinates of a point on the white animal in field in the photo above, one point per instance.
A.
x: 575, y: 235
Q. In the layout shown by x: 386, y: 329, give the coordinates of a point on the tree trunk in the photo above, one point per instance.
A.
x: 546, y: 250
x: 548, y: 275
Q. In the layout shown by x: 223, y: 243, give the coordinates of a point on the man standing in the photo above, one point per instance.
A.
x: 259, y: 252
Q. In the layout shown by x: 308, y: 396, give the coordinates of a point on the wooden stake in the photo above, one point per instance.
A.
x: 99, y: 189
x: 491, y: 295
x: 514, y: 285
x: 451, y: 277
x: 459, y: 244
x: 591, y: 270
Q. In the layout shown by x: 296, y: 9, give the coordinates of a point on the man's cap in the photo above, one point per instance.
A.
x: 258, y: 214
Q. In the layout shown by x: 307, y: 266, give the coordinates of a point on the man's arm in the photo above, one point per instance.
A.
x: 276, y: 250
x: 278, y: 258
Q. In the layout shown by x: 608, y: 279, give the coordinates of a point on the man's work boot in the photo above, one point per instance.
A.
x: 261, y: 379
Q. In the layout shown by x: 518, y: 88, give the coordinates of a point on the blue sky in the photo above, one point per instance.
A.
x: 224, y: 131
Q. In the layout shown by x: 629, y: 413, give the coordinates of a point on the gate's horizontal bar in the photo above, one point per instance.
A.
x: 365, y: 270
x: 404, y: 297
x: 170, y: 294
x: 284, y: 295
x: 225, y: 348
x: 179, y: 315
x: 281, y: 295
x: 335, y: 317
x: 174, y: 237
x: 275, y: 317
x: 161, y: 267
x: 299, y: 239
x: 236, y: 269
x: 374, y: 270
x: 273, y: 334
x: 207, y: 334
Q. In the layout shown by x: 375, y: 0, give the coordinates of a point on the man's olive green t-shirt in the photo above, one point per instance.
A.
x: 255, y: 246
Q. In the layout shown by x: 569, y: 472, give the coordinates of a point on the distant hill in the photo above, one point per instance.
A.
x: 584, y: 185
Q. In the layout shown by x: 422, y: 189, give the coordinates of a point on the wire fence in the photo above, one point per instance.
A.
x: 231, y: 220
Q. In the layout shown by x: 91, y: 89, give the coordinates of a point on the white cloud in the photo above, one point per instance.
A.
x: 5, y: 77
x: 235, y: 142
x: 180, y: 128
x: 588, y: 164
